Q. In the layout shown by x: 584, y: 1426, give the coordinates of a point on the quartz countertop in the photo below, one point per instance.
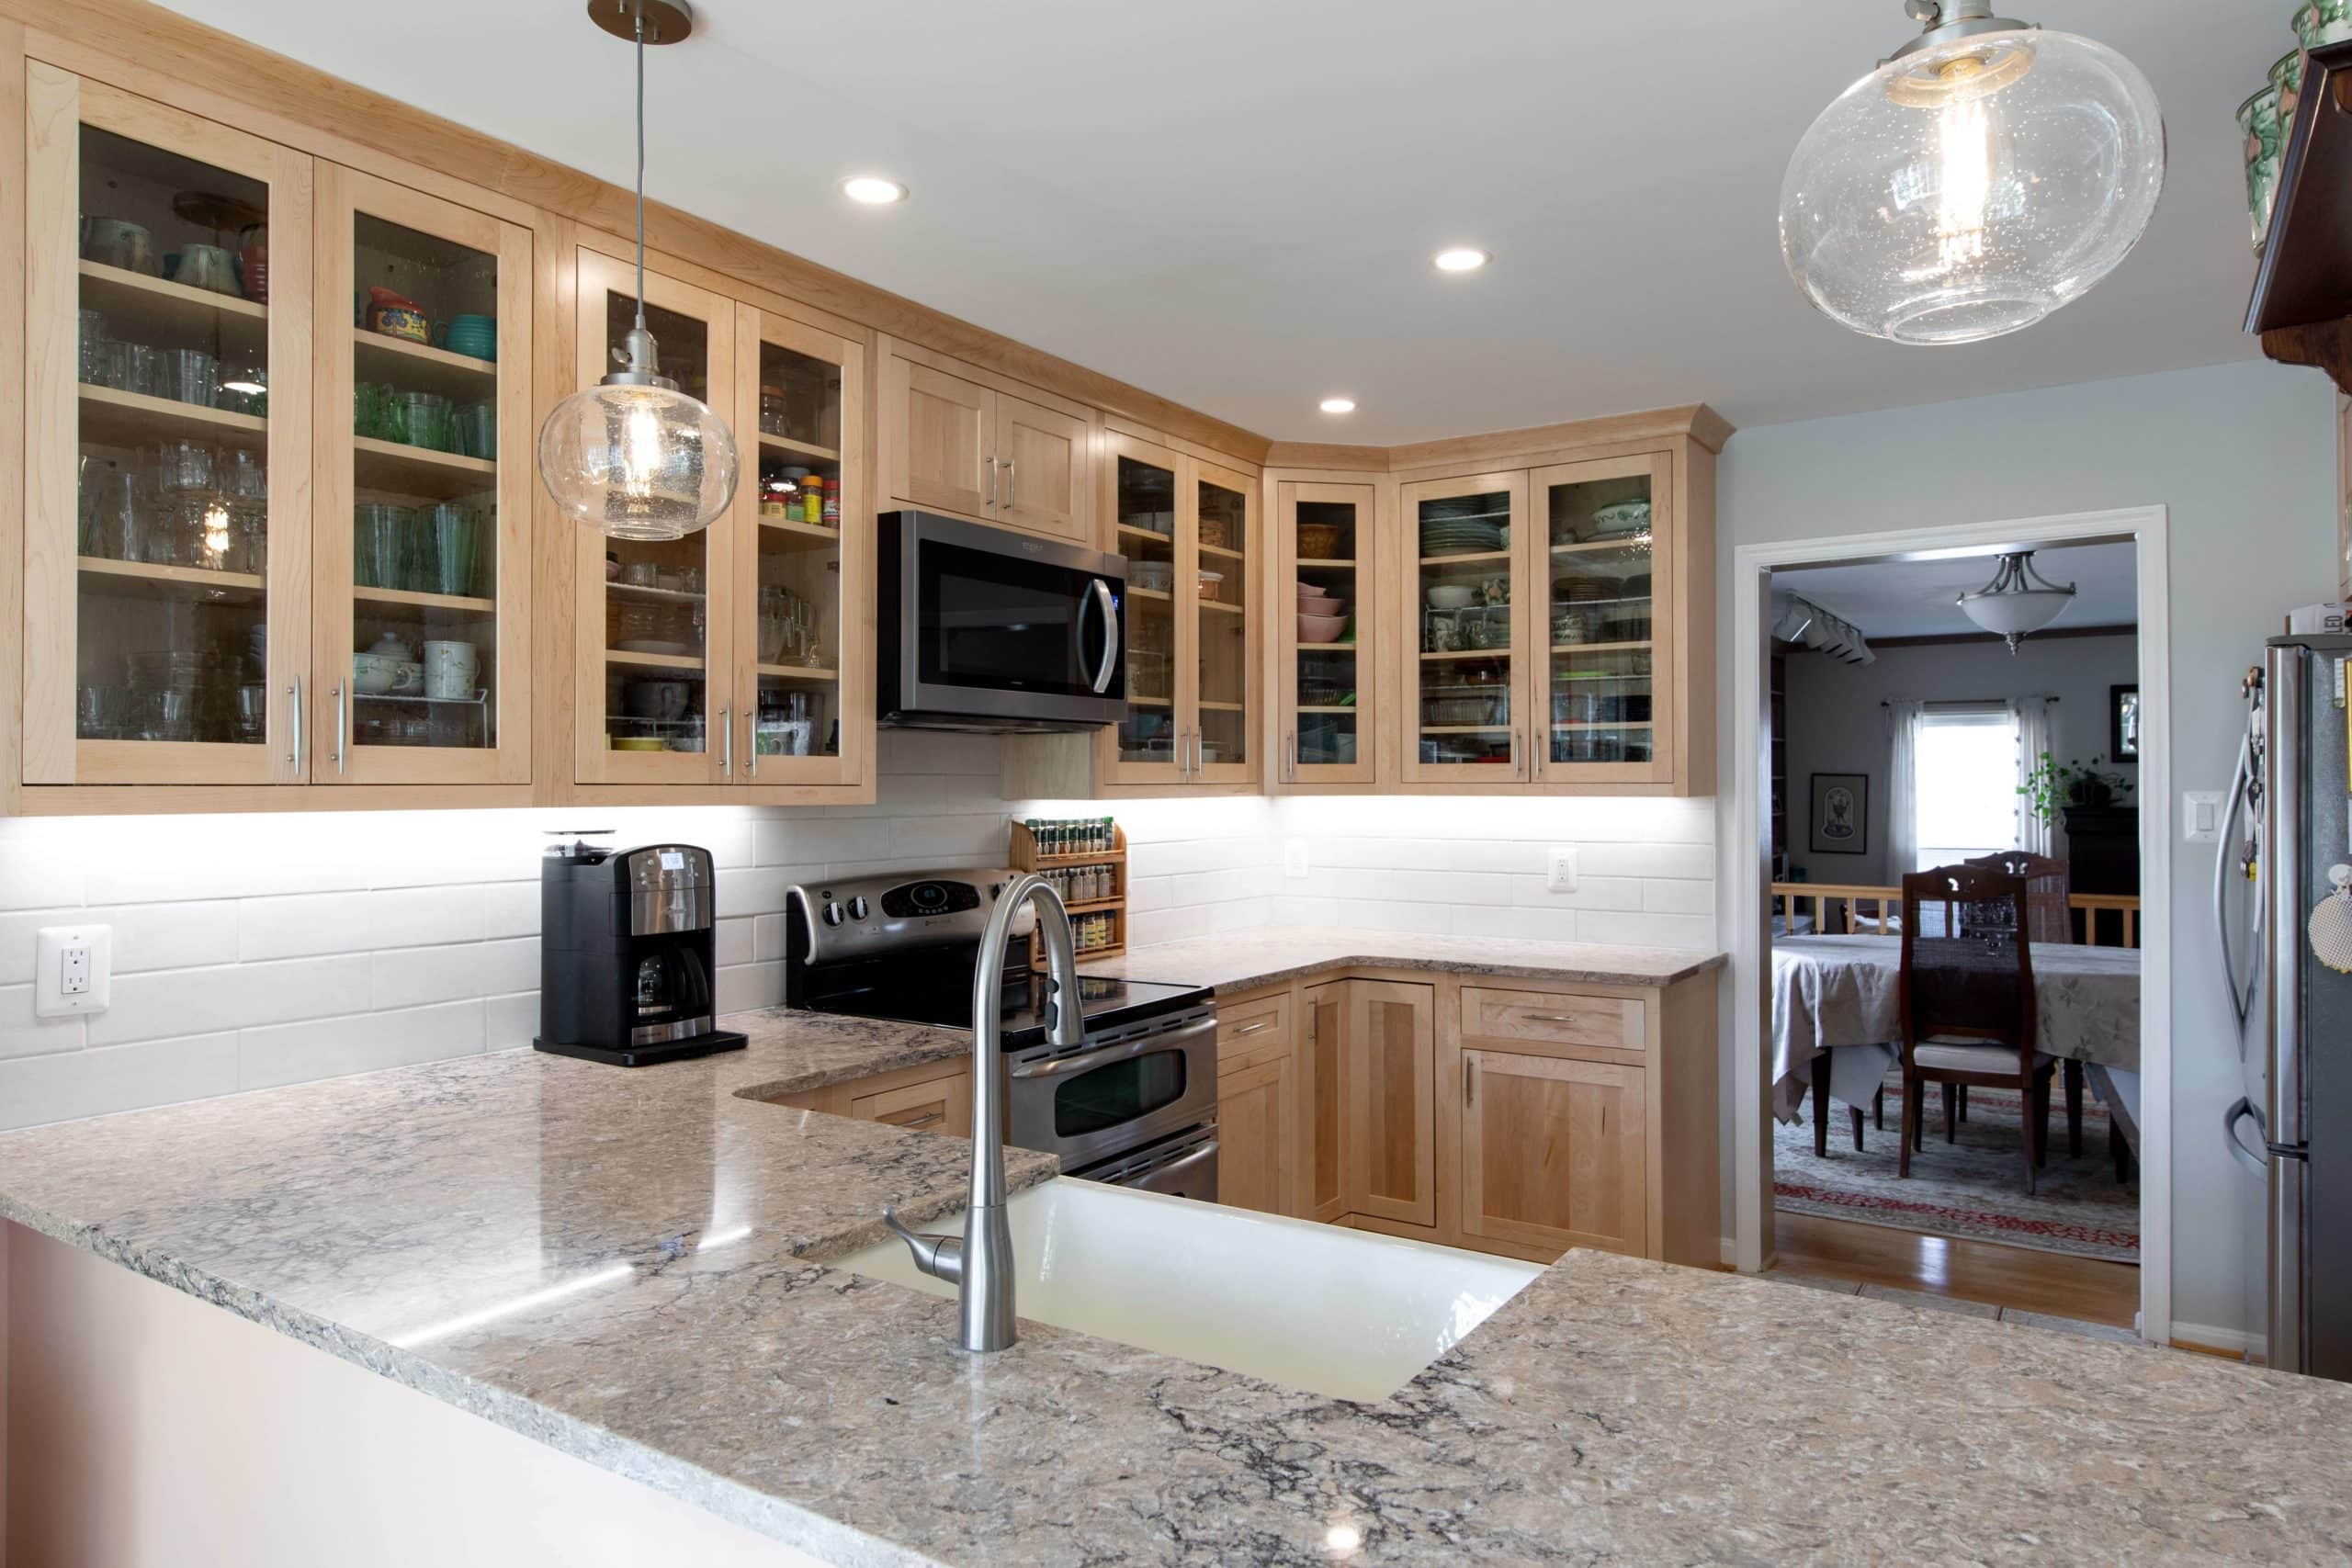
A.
x: 1270, y: 956
x: 415, y: 1222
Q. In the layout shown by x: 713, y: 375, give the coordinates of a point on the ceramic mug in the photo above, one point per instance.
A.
x: 451, y: 670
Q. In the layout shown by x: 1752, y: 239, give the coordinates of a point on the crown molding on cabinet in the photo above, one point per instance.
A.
x: 1695, y: 420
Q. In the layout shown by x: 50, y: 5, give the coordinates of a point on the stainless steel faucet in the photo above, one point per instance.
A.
x: 980, y: 1262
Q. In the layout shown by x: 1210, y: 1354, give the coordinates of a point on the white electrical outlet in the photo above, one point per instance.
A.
x: 1561, y: 871
x: 2200, y: 815
x: 72, y: 966
x: 1295, y: 857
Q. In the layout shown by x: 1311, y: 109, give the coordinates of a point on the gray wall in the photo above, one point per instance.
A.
x: 2244, y: 455
x: 1835, y: 725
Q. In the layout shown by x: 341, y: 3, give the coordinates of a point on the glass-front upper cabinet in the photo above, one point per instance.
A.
x: 1466, y: 676
x: 168, y: 443
x: 655, y: 694
x: 1330, y: 644
x: 1224, y: 580
x: 422, y: 552
x: 1142, y: 480
x: 1605, y: 564
x: 803, y: 572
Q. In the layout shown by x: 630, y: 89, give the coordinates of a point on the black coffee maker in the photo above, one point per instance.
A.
x: 627, y: 944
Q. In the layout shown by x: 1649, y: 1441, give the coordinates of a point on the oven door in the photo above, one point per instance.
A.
x: 999, y: 629
x: 1184, y: 1166
x: 1109, y: 1098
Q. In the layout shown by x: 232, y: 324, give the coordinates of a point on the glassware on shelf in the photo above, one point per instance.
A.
x: 456, y: 548
x: 118, y: 243
x: 92, y: 344
x: 427, y: 421
x: 475, y: 428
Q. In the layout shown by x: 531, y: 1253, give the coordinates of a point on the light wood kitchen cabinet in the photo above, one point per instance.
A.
x: 1466, y: 694
x: 1261, y: 1153
x: 958, y: 439
x: 1324, y: 1009
x: 1387, y: 1075
x: 1327, y: 686
x: 423, y: 493
x: 1555, y: 1152
x: 932, y: 1097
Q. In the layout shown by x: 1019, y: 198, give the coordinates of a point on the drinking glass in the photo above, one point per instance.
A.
x: 456, y: 547
x: 191, y: 375
x: 135, y: 367
x: 426, y: 421
x: 477, y: 430
x: 183, y: 467
x: 92, y: 342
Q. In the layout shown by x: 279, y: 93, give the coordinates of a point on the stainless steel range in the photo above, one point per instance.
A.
x: 1134, y: 1103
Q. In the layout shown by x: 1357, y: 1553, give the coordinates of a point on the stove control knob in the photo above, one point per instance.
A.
x: 832, y: 914
x: 857, y: 909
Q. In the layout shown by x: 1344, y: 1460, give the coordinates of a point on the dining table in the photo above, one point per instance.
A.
x: 1840, y: 995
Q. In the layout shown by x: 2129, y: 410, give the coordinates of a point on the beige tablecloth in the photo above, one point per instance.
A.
x: 1840, y: 991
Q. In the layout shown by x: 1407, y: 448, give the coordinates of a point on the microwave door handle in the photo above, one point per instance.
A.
x: 1098, y: 592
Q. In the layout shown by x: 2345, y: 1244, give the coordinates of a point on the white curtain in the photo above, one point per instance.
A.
x: 1902, y: 789
x: 2033, y: 716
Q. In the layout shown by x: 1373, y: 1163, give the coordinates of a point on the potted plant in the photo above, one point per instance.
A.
x: 2053, y: 786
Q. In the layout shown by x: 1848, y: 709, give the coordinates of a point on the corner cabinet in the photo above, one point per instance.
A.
x: 736, y: 660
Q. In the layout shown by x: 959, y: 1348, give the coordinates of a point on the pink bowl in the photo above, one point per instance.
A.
x: 1321, y: 628
x: 1322, y: 606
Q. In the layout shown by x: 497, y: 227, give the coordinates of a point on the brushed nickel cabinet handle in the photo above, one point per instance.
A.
x: 341, y: 726
x: 924, y: 1121
x: 294, y: 755
x: 725, y: 742
x: 1253, y: 1028
x: 992, y: 481
x: 1551, y: 1018
x: 1470, y: 1080
x: 751, y: 741
x: 1012, y: 485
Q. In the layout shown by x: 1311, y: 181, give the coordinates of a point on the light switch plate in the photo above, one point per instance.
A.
x: 1560, y: 871
x: 72, y: 970
x: 2200, y: 815
x: 1294, y: 861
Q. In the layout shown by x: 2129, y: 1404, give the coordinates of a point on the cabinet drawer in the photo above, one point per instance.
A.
x: 1254, y: 1027
x: 943, y: 1104
x: 1612, y: 1023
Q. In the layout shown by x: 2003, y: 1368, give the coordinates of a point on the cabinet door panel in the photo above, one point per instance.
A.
x: 1142, y: 485
x: 1042, y: 469
x: 167, y: 476
x: 1389, y: 1070
x: 947, y: 441
x: 1257, y: 1118
x: 1555, y: 1152
x: 1224, y: 586
x: 1326, y: 675
x: 423, y: 492
x: 1325, y: 1197
x: 1465, y: 672
x: 1600, y: 608
x: 938, y: 1105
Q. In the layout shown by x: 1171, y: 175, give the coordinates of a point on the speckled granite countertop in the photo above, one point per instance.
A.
x: 1616, y: 1409
x: 1274, y: 954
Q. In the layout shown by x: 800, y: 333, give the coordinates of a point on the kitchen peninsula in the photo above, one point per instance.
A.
x: 629, y: 1268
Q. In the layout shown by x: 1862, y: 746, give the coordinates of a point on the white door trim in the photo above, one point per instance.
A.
x: 1750, y: 848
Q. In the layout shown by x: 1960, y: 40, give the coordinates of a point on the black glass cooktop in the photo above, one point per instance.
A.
x: 945, y: 998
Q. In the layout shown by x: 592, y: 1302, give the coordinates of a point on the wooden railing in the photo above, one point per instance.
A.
x: 1886, y: 903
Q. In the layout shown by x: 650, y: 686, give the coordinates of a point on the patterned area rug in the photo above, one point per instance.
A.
x: 1974, y: 1189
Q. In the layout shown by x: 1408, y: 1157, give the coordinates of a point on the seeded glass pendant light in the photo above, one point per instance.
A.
x: 2018, y: 599
x: 1988, y: 174
x: 633, y: 455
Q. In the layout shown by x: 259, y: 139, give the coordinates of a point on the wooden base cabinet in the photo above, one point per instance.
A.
x: 1554, y: 1152
x: 1260, y: 1130
x: 935, y: 1096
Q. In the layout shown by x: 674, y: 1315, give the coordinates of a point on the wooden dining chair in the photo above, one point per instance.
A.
x: 2050, y: 917
x: 1966, y: 1001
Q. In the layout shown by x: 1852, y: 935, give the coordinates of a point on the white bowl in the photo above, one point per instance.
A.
x: 1452, y: 596
x: 1320, y: 628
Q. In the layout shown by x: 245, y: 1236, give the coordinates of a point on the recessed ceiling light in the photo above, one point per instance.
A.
x: 1462, y: 259
x: 872, y: 190
x: 1338, y: 405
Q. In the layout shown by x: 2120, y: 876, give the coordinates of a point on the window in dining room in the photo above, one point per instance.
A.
x: 1965, y: 785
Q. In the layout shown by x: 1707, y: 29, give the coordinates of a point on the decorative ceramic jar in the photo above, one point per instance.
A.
x: 2323, y: 21
x: 2258, y: 118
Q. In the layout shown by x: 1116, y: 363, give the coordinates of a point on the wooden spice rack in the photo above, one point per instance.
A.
x: 1025, y: 856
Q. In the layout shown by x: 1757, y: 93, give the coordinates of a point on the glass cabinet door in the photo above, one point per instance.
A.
x: 167, y: 296
x: 1603, y: 565
x: 1144, y: 505
x: 1223, y: 581
x: 804, y: 567
x: 422, y: 554
x: 655, y: 703
x: 1466, y: 675
x: 1330, y: 642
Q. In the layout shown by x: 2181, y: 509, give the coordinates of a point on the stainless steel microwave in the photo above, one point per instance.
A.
x: 984, y: 629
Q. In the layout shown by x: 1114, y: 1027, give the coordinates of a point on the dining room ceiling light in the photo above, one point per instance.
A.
x: 1462, y: 259
x: 635, y: 455
x: 2018, y: 601
x: 1338, y: 405
x: 872, y: 190
x: 1987, y: 174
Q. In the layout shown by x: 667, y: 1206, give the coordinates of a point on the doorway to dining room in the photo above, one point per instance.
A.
x: 1995, y: 1161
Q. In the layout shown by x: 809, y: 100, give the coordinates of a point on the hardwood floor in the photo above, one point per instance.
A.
x: 2090, y: 1289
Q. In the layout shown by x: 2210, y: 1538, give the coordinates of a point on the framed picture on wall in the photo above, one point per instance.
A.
x: 1841, y: 814
x: 2123, y: 722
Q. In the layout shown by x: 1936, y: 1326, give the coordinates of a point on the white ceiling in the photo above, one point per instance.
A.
x: 1233, y: 203
x: 1914, y: 598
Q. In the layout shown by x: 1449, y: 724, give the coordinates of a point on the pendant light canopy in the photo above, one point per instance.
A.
x: 1988, y: 174
x: 633, y: 455
x: 2018, y: 599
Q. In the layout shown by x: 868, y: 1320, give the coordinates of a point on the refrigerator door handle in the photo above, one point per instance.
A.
x: 2225, y: 851
x: 2243, y: 1108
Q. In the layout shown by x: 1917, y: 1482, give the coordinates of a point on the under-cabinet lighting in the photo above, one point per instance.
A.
x: 1338, y: 405
x: 872, y: 190
x: 1462, y: 259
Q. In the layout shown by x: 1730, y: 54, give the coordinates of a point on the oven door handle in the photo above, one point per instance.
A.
x: 1098, y: 592
x: 1125, y: 1050
x: 1191, y: 1157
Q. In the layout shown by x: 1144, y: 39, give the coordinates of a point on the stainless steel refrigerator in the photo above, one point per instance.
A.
x: 2298, y: 1004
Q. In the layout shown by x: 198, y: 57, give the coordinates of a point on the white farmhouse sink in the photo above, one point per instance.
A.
x: 1336, y: 1312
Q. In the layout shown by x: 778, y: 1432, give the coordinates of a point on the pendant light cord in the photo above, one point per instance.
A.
x: 640, y: 166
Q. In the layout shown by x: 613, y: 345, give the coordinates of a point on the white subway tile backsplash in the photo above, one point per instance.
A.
x: 119, y: 1077
x: 509, y: 1022
x: 509, y: 909
x: 356, y: 923
x: 146, y: 936
x: 750, y: 985
x: 1678, y: 897
x: 181, y: 1001
x: 330, y: 1047
x: 22, y: 1034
